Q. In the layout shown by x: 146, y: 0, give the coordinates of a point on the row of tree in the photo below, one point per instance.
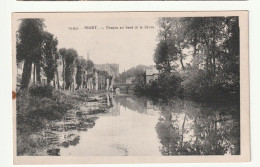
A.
x: 202, y: 52
x: 37, y: 50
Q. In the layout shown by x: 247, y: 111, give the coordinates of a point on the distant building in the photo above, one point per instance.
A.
x: 129, y: 80
x: 151, y: 75
x: 112, y: 69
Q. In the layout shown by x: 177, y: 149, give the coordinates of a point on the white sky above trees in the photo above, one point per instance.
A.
x: 127, y: 48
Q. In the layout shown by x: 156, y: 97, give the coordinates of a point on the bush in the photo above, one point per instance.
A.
x: 168, y: 85
x: 48, y: 109
x: 39, y: 90
x: 81, y: 93
x: 195, y: 83
x: 199, y: 85
x: 32, y: 108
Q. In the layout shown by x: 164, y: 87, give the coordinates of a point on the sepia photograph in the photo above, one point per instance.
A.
x: 130, y: 87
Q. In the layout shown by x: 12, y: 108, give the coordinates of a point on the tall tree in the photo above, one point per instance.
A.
x: 62, y: 52
x: 50, y: 56
x: 161, y: 57
x: 89, y: 65
x: 162, y: 53
x: 28, y: 48
x: 212, y: 46
x: 81, y: 68
x: 70, y: 64
x: 178, y: 39
x: 229, y: 57
x: 171, y: 44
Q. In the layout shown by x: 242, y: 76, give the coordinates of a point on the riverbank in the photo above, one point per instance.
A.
x: 206, y: 95
x: 38, y: 106
x: 175, y: 127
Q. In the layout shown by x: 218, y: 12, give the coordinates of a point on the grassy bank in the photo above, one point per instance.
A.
x: 39, y: 105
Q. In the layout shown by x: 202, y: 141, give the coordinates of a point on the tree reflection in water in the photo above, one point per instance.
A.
x: 186, y: 128
x: 183, y: 128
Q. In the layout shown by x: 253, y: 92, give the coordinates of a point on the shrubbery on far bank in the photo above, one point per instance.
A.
x: 167, y: 85
x: 189, y: 85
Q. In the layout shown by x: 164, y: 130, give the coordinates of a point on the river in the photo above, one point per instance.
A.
x: 135, y: 126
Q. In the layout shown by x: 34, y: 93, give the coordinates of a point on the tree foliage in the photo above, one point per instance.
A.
x: 29, y: 39
x: 70, y: 66
x: 36, y: 46
x: 89, y: 65
x: 204, y: 50
x: 81, y: 68
x: 50, y: 55
x: 28, y: 46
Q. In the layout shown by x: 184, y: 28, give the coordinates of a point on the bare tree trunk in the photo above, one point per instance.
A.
x: 195, y: 50
x: 214, y: 57
x: 48, y: 81
x: 208, y: 59
x: 197, y: 62
x: 34, y: 70
x: 181, y: 60
x: 207, y: 64
x: 183, y: 124
x: 67, y: 87
x: 58, y: 81
x: 214, y: 53
x: 38, y: 72
x: 195, y: 45
x: 214, y: 65
x: 63, y: 62
x: 54, y: 82
x: 26, y: 76
x: 181, y: 56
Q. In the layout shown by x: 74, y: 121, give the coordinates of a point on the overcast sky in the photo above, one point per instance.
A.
x: 126, y: 47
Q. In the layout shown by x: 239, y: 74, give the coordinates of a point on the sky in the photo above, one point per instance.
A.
x: 126, y: 47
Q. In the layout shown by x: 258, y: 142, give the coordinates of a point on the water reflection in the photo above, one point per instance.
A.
x: 138, y: 104
x: 133, y: 126
x: 186, y: 128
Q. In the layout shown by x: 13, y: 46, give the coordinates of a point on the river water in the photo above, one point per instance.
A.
x: 134, y: 126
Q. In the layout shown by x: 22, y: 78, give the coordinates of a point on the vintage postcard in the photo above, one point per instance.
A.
x: 130, y: 87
